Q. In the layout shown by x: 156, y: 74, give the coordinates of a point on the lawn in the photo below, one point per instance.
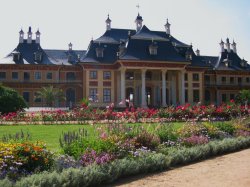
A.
x: 50, y: 134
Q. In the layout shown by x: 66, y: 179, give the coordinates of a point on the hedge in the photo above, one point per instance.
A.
x: 103, y: 174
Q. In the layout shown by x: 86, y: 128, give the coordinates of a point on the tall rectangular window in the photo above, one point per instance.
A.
x: 195, y: 77
x: 106, y: 75
x: 231, y: 80
x: 106, y: 95
x: 232, y: 96
x: 239, y: 80
x: 14, y: 75
x: 93, y: 74
x: 26, y: 96
x: 93, y: 94
x: 38, y: 75
x: 247, y: 79
x: 26, y: 76
x: 37, y: 98
x: 196, y: 95
x: 49, y: 75
x: 186, y: 96
x: 207, y: 79
x: 2, y: 75
x: 223, y: 79
x: 224, y: 98
x: 186, y: 77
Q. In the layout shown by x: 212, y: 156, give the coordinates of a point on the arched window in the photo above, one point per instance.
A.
x: 70, y: 76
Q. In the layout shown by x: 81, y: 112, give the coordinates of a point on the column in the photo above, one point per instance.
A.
x: 163, y: 75
x: 122, y: 101
x: 182, y: 87
x: 173, y: 87
x: 143, y: 89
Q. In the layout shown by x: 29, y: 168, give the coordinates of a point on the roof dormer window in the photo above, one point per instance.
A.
x: 243, y: 63
x: 38, y: 56
x: 16, y: 56
x: 153, y: 48
x: 99, y: 52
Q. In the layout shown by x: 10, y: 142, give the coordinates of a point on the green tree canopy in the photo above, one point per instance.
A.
x: 243, y: 97
x: 10, y: 100
x: 50, y: 94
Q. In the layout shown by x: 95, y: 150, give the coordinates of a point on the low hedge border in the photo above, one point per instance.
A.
x: 102, y: 174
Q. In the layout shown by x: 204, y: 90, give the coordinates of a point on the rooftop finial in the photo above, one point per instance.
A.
x: 108, y: 23
x: 29, y: 40
x: 167, y: 27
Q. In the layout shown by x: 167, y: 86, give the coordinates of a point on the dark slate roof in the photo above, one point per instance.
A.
x: 62, y: 56
x: 233, y: 60
x: 49, y: 57
x: 145, y: 33
x: 138, y: 49
x: 115, y: 35
x: 109, y: 53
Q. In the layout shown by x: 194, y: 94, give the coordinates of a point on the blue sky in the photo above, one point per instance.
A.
x: 200, y: 22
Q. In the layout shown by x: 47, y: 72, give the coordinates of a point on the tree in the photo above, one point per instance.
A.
x: 243, y: 97
x: 50, y: 94
x: 10, y: 100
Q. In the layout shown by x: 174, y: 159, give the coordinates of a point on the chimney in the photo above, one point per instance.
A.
x: 38, y: 36
x: 29, y: 39
x: 234, y: 47
x: 21, y: 36
x: 197, y: 52
x: 167, y: 27
x: 222, y: 46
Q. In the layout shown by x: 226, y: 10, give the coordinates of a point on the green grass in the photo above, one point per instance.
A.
x: 50, y: 134
x: 46, y: 133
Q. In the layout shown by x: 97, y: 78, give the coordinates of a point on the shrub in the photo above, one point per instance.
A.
x: 166, y: 132
x: 147, y: 139
x: 10, y: 100
x: 225, y: 127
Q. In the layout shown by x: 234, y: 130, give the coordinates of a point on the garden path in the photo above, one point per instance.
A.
x: 232, y: 170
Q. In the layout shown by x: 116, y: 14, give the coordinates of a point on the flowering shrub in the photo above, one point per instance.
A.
x: 194, y: 140
x: 91, y: 156
x: 20, y: 159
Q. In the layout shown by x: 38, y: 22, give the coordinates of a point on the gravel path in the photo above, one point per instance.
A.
x: 232, y: 170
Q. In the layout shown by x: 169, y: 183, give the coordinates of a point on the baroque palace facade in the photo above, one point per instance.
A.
x: 148, y: 68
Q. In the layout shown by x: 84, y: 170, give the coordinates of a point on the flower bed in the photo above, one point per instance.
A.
x: 91, y: 158
x: 88, y: 114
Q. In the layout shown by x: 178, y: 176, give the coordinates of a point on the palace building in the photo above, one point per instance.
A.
x: 148, y: 68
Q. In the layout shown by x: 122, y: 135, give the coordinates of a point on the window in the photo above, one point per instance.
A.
x: 14, y: 75
x: 231, y: 96
x: 224, y: 98
x: 196, y: 95
x: 223, y: 79
x: 207, y: 79
x: 231, y: 80
x: 26, y: 76
x: 247, y: 80
x: 186, y: 77
x: 93, y: 75
x: 2, y: 75
x: 99, y: 52
x: 93, y: 94
x: 186, y: 96
x: 148, y: 75
x: 26, y: 96
x: 153, y: 49
x: 129, y: 75
x: 106, y: 95
x: 37, y: 99
x: 195, y: 77
x: 38, y: 56
x: 207, y: 96
x: 49, y: 76
x: 37, y: 75
x: 239, y: 80
x: 106, y: 75
x: 70, y: 76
